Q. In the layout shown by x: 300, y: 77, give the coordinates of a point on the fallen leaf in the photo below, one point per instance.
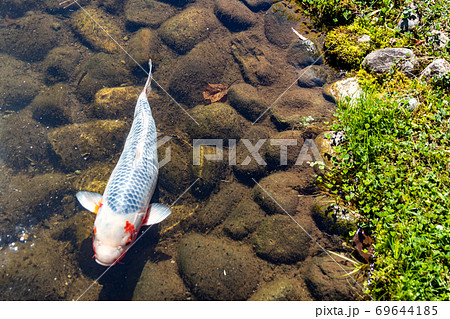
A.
x: 215, y: 92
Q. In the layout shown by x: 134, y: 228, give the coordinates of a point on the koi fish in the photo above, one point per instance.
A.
x: 124, y: 206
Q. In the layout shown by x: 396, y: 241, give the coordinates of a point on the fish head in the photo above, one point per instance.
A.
x: 113, y: 236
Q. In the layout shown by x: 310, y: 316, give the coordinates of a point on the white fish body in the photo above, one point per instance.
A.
x: 124, y: 206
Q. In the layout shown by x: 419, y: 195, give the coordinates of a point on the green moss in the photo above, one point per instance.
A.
x: 348, y: 45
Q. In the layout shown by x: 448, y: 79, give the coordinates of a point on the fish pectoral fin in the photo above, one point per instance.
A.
x: 90, y: 201
x: 156, y: 213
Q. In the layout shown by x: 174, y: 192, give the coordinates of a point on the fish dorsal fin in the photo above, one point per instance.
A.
x: 156, y: 213
x: 90, y: 201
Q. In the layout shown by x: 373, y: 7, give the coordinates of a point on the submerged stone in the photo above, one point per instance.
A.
x: 279, y: 240
x: 18, y: 84
x: 245, y: 99
x: 243, y: 220
x: 80, y: 144
x: 60, y: 63
x: 276, y: 194
x: 147, y: 13
x: 188, y: 28
x: 234, y: 14
x: 87, y: 26
x: 216, y: 121
x: 326, y: 279
x: 215, y: 269
x: 50, y: 106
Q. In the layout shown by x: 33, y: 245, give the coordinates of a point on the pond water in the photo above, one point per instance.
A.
x: 246, y: 218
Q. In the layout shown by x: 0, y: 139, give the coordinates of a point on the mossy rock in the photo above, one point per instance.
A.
x: 147, y: 13
x: 80, y: 144
x: 60, y: 63
x: 275, y: 190
x: 25, y: 147
x: 175, y: 176
x: 243, y: 220
x: 248, y: 51
x: 37, y: 35
x: 203, y: 65
x: 247, y: 167
x: 188, y: 28
x: 160, y: 281
x: 299, y: 104
x: 216, y: 121
x: 245, y: 99
x: 278, y: 21
x: 280, y: 289
x: 114, y: 103
x: 333, y: 218
x: 94, y: 178
x: 50, y: 106
x: 283, y: 156
x: 215, y: 269
x: 208, y: 172
x: 327, y: 281
x: 348, y: 45
x: 101, y: 70
x: 279, y: 239
x: 19, y: 81
x: 44, y: 269
x: 143, y: 45
x: 220, y: 205
x: 85, y: 25
x: 234, y: 14
x: 30, y: 200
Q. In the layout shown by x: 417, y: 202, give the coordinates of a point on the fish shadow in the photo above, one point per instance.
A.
x: 120, y: 280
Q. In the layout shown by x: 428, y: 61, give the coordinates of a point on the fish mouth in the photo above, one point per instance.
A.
x: 103, y: 264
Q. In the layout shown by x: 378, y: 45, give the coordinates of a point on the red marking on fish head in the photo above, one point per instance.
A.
x: 129, y: 228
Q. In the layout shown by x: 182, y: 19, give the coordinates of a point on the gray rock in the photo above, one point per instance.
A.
x: 234, y: 14
x: 438, y: 39
x: 280, y: 240
x: 215, y: 269
x: 409, y: 19
x: 312, y: 76
x: 383, y: 60
x: 438, y: 68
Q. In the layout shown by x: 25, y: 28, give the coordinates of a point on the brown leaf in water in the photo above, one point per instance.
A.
x: 215, y: 92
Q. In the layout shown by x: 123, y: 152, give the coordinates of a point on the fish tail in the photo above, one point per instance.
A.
x: 149, y: 79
